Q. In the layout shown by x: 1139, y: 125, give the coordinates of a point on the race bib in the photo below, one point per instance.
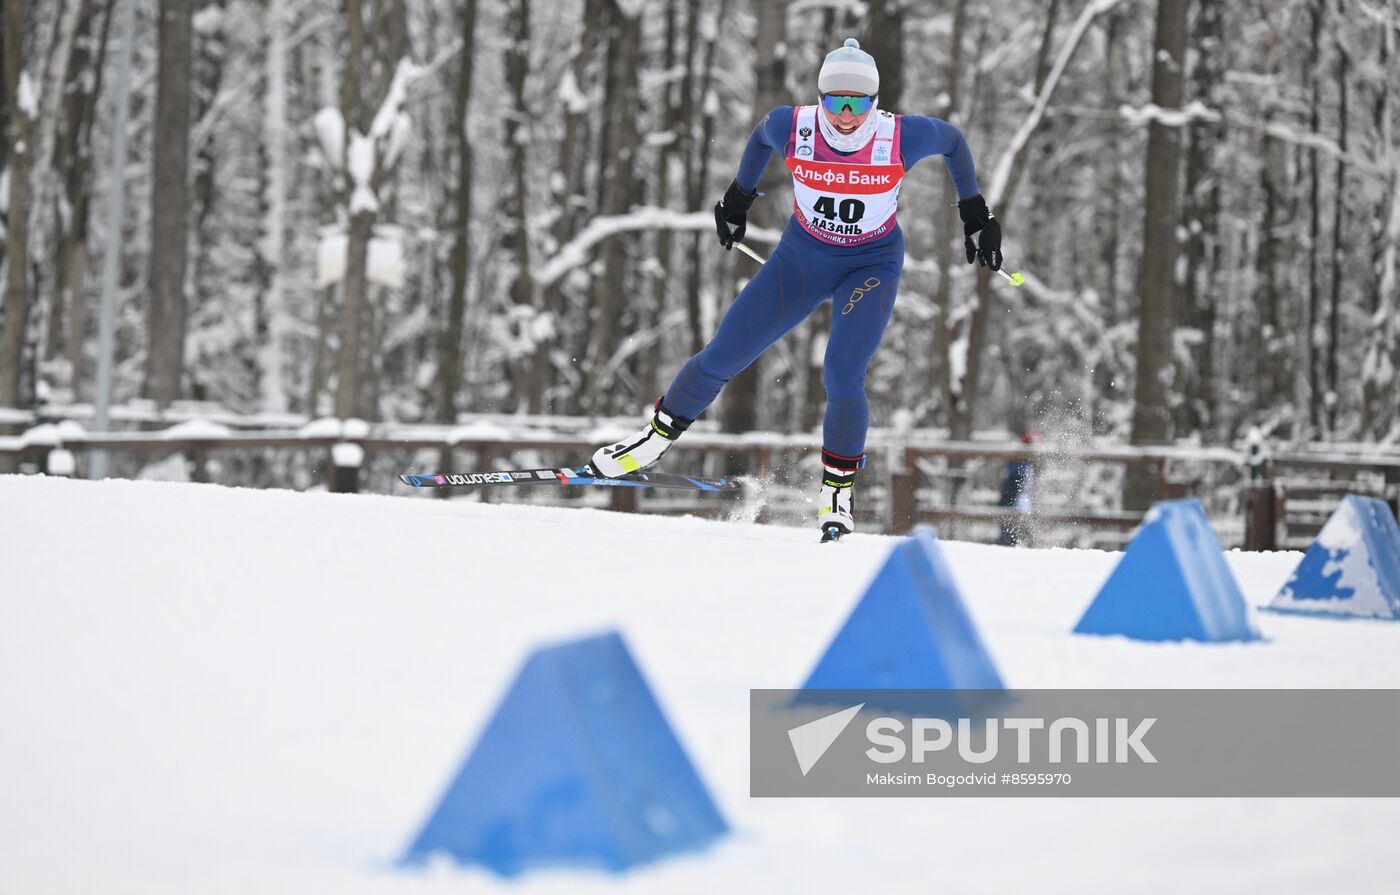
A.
x: 845, y: 199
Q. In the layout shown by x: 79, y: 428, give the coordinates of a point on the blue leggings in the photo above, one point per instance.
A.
x: 861, y: 283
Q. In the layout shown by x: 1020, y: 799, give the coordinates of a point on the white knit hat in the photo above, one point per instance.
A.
x: 849, y: 68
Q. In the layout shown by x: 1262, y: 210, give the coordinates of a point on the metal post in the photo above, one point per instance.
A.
x: 904, y: 480
x: 1261, y: 504
x: 346, y: 459
x: 111, y: 262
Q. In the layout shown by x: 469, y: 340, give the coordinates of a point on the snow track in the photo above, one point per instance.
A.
x: 206, y: 690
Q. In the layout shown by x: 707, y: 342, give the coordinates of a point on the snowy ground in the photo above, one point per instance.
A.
x: 207, y: 690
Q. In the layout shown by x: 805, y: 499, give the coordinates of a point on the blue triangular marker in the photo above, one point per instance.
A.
x: 910, y: 630
x: 578, y: 767
x: 1353, y: 566
x: 1171, y: 584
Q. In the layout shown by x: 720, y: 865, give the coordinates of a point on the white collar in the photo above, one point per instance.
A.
x: 853, y: 141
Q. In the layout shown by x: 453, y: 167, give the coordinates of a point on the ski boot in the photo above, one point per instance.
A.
x: 640, y: 449
x: 834, y: 513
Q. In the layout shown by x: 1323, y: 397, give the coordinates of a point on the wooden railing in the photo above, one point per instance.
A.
x: 903, y: 492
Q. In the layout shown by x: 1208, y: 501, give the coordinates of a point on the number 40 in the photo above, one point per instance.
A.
x: 850, y: 210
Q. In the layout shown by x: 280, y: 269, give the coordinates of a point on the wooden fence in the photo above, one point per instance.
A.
x: 1278, y: 501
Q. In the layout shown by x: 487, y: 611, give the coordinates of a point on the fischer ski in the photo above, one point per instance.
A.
x: 563, y: 476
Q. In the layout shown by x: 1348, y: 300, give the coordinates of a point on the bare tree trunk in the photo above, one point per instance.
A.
x: 1202, y: 221
x: 962, y: 410
x: 1270, y: 376
x: 6, y: 100
x: 1315, y: 386
x: 1157, y: 281
x: 450, y: 347
x: 1378, y: 368
x: 692, y: 191
x: 617, y: 185
x: 47, y: 154
x: 347, y: 397
x: 85, y: 87
x: 964, y: 416
x: 1383, y: 353
x: 947, y: 236
x: 73, y: 162
x: 661, y: 274
x: 1380, y: 119
x: 1334, y: 315
x: 271, y: 294
x: 20, y: 107
x: 1109, y: 218
x: 372, y: 55
x: 210, y: 48
x: 348, y: 400
x: 316, y: 378
x: 770, y: 52
x: 884, y: 39
x: 530, y: 370
x: 329, y: 199
x: 698, y: 165
x: 372, y: 362
x: 570, y: 183
x: 165, y: 359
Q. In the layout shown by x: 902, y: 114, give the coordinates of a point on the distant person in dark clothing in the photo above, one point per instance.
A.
x: 1016, y: 490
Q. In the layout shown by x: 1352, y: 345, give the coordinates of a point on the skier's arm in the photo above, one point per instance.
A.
x: 922, y: 137
x: 731, y: 212
x: 770, y: 136
x: 932, y: 136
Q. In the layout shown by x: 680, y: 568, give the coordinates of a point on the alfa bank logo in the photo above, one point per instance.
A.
x: 1056, y: 741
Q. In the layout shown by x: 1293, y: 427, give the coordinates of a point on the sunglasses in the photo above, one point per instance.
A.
x: 858, y: 105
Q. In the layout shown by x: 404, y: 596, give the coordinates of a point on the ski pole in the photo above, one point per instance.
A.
x: 750, y: 252
x: 1014, y: 279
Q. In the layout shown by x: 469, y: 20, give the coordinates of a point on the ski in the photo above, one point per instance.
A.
x: 580, y: 476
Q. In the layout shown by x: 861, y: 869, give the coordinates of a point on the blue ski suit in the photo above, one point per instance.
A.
x: 802, y: 273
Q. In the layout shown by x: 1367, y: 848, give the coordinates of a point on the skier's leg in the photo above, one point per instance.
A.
x: 861, y: 308
x: 774, y: 301
x: 781, y: 295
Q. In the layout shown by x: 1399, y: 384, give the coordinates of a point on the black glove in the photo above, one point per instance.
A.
x: 977, y: 218
x: 732, y: 215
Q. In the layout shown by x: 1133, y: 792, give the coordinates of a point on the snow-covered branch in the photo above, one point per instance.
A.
x: 853, y: 8
x: 1155, y: 114
x: 575, y: 252
x: 405, y: 73
x: 1319, y: 142
x: 246, y: 90
x: 1196, y: 111
x: 1380, y: 16
x: 1001, y: 176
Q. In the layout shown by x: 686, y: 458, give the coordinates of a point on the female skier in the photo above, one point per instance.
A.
x: 842, y: 244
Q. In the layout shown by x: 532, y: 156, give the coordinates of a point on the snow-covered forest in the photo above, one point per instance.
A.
x: 410, y: 209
